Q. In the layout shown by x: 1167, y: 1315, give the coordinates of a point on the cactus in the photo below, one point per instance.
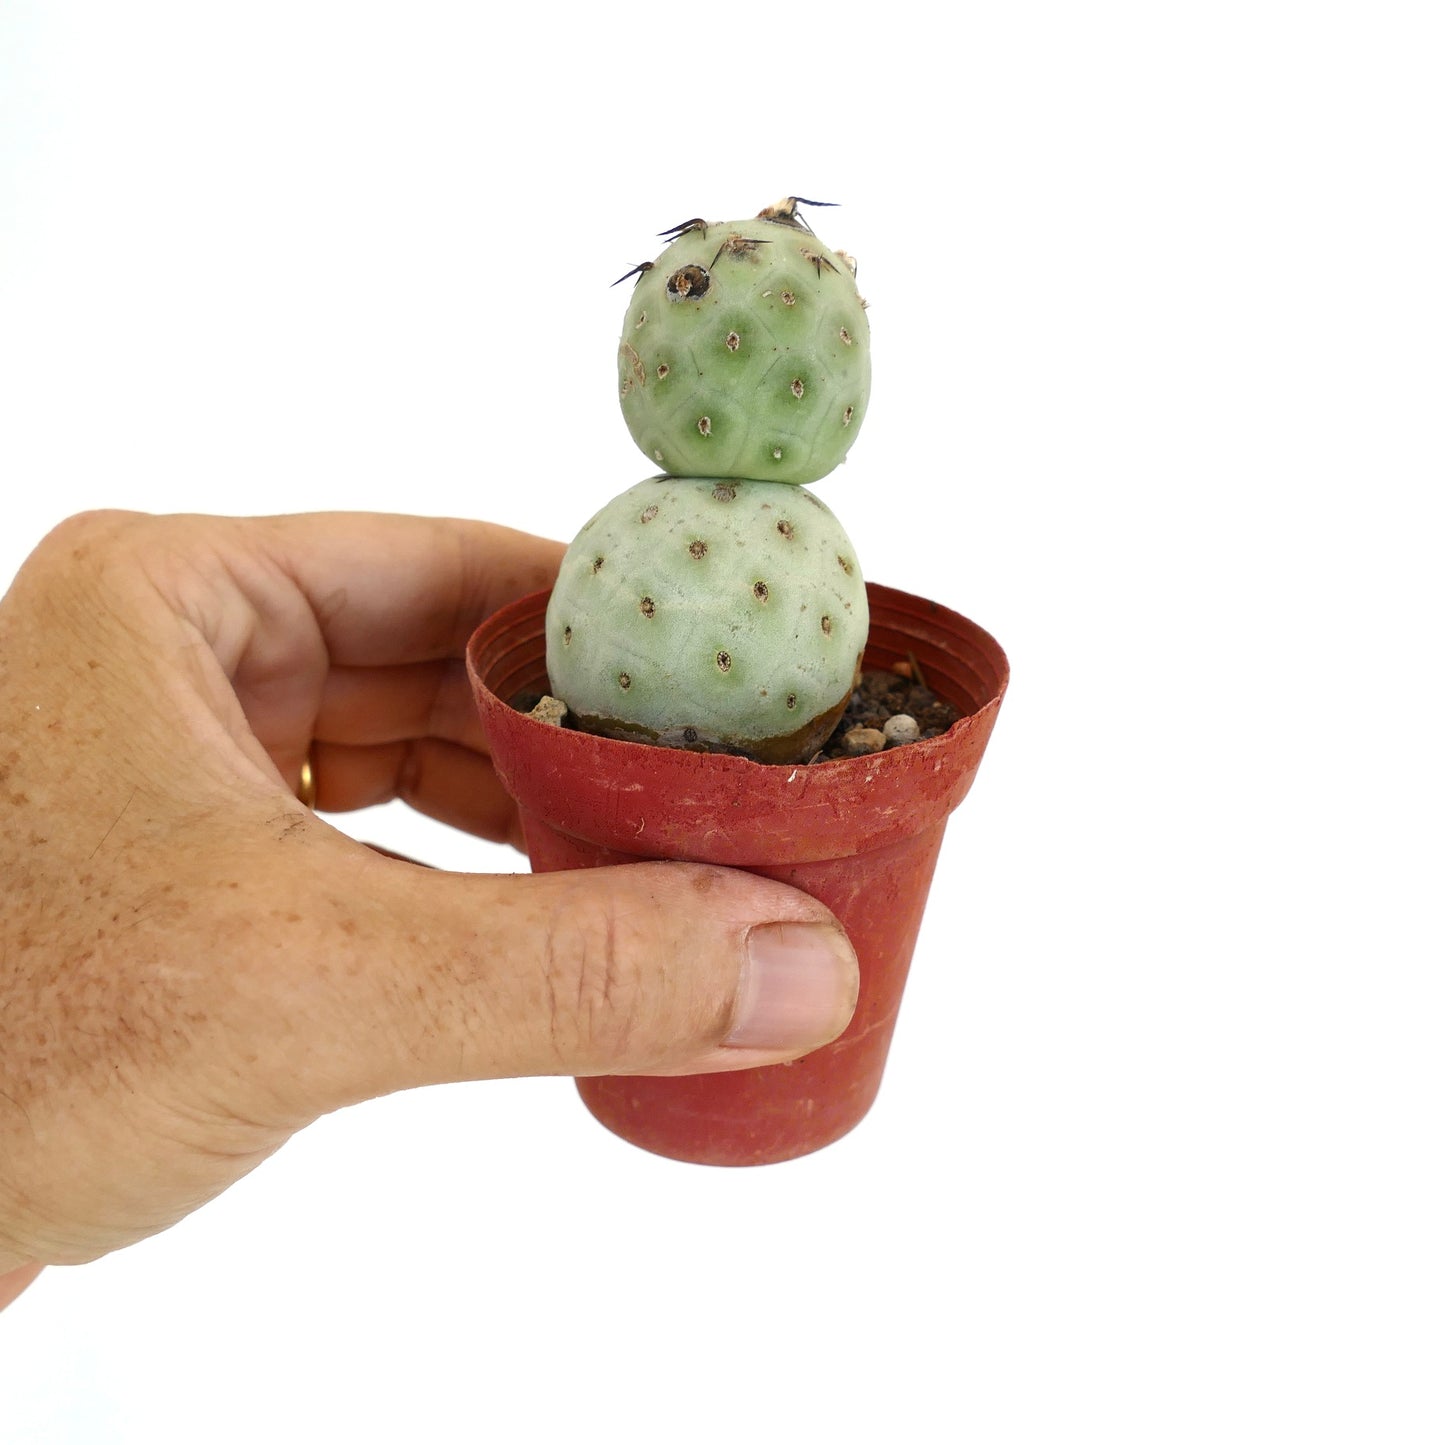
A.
x: 724, y: 610
x: 710, y: 614
x: 745, y: 352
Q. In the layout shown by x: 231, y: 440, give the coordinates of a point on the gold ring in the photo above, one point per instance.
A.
x: 306, y: 789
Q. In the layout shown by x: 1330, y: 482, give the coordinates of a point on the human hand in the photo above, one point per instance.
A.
x: 193, y: 966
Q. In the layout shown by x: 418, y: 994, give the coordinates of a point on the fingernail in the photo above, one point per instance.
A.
x: 799, y: 988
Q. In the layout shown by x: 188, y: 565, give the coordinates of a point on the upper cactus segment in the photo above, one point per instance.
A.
x: 745, y: 351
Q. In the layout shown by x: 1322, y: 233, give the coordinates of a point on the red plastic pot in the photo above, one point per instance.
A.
x: 861, y: 834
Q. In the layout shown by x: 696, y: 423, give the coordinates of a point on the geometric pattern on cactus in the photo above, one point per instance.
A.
x: 745, y: 354
x: 710, y: 614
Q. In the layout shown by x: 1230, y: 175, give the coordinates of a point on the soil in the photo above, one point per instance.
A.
x: 879, y: 696
x: 882, y: 695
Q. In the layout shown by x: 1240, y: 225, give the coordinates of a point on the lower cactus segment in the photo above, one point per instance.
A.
x: 710, y: 614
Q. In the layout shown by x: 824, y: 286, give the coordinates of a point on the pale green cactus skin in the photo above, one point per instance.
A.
x: 764, y: 374
x: 712, y: 614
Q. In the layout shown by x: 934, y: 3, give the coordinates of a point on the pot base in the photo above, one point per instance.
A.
x: 768, y: 1115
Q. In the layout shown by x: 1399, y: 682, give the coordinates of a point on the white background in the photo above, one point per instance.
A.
x: 1157, y: 311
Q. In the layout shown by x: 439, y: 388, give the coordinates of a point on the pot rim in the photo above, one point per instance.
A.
x: 641, y: 799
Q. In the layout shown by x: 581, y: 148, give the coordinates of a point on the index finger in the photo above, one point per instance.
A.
x: 389, y: 589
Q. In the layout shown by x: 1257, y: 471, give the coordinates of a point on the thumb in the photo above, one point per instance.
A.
x: 13, y: 1284
x: 648, y: 968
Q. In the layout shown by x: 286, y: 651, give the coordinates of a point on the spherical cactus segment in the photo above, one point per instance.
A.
x: 710, y: 614
x: 744, y: 353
